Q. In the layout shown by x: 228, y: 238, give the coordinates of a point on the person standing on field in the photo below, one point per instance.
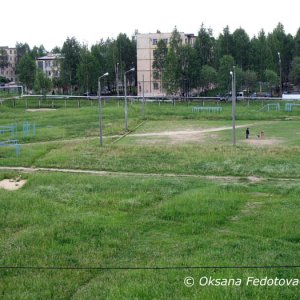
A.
x: 247, y: 133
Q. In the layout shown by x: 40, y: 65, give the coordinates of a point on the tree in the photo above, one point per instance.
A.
x: 87, y: 71
x: 272, y: 79
x: 26, y: 69
x: 42, y: 83
x: 250, y: 80
x: 22, y: 49
x: 240, y: 48
x: 297, y: 43
x: 294, y: 75
x: 3, y: 58
x: 204, y: 45
x: 171, y: 74
x: 38, y: 51
x: 69, y: 65
x: 226, y: 65
x: 225, y: 43
x: 188, y: 68
x: 260, y: 55
x: 208, y: 77
x: 159, y: 58
x: 175, y: 40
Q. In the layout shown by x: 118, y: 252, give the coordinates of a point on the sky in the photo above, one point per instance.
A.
x: 50, y: 22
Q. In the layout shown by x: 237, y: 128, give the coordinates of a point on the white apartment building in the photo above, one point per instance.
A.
x: 9, y: 72
x: 50, y: 64
x: 146, y: 44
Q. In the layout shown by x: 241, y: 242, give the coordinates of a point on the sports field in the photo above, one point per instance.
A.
x: 154, y: 211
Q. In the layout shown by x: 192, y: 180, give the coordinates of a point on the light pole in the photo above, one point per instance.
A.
x: 117, y: 78
x: 125, y: 94
x: 280, y: 74
x: 233, y: 100
x: 100, y: 105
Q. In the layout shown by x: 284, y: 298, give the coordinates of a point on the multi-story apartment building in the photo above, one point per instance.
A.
x: 50, y: 64
x: 9, y: 72
x: 146, y: 44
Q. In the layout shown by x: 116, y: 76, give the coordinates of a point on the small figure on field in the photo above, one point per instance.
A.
x: 247, y: 133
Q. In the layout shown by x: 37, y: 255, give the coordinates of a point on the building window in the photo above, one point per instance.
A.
x: 154, y: 41
x: 166, y: 41
x: 155, y: 86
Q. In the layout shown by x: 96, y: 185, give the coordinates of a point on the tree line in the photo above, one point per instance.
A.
x: 182, y: 68
x: 80, y: 66
x: 262, y: 62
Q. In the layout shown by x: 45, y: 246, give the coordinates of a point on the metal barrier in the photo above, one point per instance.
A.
x: 211, y: 109
x: 289, y: 106
x: 13, y: 143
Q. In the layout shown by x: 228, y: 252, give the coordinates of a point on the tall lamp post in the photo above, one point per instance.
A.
x: 125, y: 94
x: 233, y: 100
x: 100, y: 105
x: 280, y: 74
x: 117, y: 78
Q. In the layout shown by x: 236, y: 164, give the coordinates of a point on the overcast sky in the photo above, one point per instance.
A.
x: 51, y: 22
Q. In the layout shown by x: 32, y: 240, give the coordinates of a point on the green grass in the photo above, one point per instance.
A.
x: 75, y: 220
x: 89, y: 221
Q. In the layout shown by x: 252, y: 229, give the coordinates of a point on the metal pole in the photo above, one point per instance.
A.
x: 143, y: 97
x: 100, y: 106
x: 126, y: 109
x: 117, y: 79
x: 125, y: 98
x: 100, y: 109
x: 233, y: 99
x: 280, y: 75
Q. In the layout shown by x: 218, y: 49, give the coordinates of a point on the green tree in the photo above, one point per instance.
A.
x: 209, y: 77
x: 22, y: 49
x: 272, y: 79
x: 297, y: 43
x: 42, y: 83
x: 250, y: 80
x: 204, y: 45
x: 171, y: 74
x: 3, y: 58
x: 38, y: 51
x: 294, y: 75
x: 26, y: 69
x: 226, y: 65
x: 87, y: 71
x: 225, y: 43
x: 175, y: 40
x: 260, y: 55
x: 71, y: 53
x: 159, y: 58
x: 240, y: 48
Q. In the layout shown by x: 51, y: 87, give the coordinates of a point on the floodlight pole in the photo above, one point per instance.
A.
x: 117, y: 78
x: 280, y: 74
x: 125, y: 95
x: 100, y: 105
x: 233, y: 101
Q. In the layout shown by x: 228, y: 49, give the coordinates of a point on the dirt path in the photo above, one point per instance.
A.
x: 187, y: 132
x: 251, y: 179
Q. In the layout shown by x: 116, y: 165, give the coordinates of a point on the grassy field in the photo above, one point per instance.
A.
x: 178, y: 196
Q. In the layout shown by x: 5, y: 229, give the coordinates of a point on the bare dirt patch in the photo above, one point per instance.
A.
x: 41, y: 109
x: 12, y: 184
x: 179, y: 136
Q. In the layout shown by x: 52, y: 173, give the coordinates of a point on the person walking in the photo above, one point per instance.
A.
x: 247, y: 133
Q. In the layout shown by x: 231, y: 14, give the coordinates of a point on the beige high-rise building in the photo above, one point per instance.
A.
x: 9, y: 72
x: 146, y: 44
